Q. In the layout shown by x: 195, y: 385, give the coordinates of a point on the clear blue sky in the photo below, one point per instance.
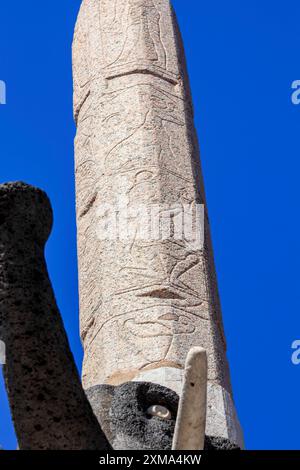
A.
x: 242, y: 57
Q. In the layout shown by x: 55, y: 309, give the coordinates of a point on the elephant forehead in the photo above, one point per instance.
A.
x: 132, y: 425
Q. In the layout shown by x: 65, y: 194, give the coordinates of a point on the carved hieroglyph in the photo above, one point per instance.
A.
x: 143, y: 303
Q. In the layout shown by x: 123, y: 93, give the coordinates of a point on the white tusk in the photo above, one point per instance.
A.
x: 191, y: 418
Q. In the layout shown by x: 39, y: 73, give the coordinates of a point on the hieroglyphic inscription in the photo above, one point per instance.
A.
x: 134, y: 142
x: 134, y: 39
x: 143, y: 302
x: 150, y: 300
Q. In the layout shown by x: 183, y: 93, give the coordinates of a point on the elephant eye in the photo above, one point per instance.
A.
x: 159, y: 411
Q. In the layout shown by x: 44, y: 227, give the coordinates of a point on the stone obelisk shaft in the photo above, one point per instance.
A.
x: 144, y: 303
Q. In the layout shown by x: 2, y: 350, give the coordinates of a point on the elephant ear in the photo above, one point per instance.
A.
x: 100, y: 398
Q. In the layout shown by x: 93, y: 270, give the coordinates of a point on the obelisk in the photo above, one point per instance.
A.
x: 144, y: 301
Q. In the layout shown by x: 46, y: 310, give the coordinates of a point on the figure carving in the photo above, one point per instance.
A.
x: 142, y: 38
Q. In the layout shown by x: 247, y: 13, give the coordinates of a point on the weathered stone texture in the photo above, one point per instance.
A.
x: 143, y: 304
x: 130, y: 427
x: 48, y: 405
